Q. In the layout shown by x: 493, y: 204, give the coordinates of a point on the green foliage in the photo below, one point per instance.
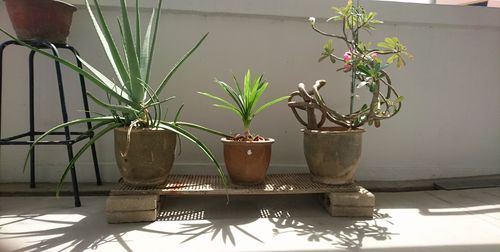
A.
x: 355, y: 17
x: 137, y: 103
x: 244, y: 101
x: 328, y: 52
x: 365, y: 63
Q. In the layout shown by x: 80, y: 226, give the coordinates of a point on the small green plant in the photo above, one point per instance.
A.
x: 244, y: 102
x: 132, y: 101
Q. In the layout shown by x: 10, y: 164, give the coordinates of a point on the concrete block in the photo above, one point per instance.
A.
x: 348, y: 211
x: 131, y: 203
x: 132, y: 216
x: 360, y: 198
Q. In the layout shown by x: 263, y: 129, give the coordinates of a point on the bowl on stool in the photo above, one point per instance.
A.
x: 48, y: 20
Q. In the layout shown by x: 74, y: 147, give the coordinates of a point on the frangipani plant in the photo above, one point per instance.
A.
x: 132, y: 101
x: 365, y: 63
x: 243, y: 102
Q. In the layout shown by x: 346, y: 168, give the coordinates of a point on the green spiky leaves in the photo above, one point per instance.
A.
x: 132, y: 101
x: 243, y: 102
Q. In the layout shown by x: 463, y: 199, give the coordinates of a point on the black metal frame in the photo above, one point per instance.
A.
x: 14, y: 140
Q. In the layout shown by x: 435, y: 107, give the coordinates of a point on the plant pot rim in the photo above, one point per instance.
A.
x: 72, y: 7
x: 228, y: 141
x: 335, y: 130
x: 125, y: 129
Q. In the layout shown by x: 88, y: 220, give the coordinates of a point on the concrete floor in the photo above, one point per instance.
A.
x: 465, y: 220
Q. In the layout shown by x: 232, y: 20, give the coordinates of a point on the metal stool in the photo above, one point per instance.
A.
x: 16, y: 140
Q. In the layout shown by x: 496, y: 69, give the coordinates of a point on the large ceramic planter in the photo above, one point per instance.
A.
x: 247, y: 162
x: 333, y: 155
x: 147, y: 159
x: 41, y: 19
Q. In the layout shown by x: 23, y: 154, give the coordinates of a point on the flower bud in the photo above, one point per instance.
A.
x: 312, y: 20
x: 347, y: 56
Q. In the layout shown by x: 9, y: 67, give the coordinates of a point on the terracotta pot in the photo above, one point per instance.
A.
x: 333, y: 154
x: 41, y: 19
x: 147, y: 159
x: 247, y: 162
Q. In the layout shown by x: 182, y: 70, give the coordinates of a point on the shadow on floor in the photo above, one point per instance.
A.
x: 307, y: 220
x: 52, y: 225
x: 341, y: 232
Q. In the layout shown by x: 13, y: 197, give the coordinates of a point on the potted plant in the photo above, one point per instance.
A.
x: 48, y: 20
x: 332, y: 153
x: 246, y: 155
x: 144, y: 143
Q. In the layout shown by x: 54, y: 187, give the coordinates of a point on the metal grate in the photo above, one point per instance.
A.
x: 201, y: 185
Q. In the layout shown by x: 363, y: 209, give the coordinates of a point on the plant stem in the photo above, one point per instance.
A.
x: 246, y: 132
x: 355, y: 40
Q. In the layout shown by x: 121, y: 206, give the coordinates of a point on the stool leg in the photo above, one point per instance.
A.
x: 76, y: 193
x: 87, y: 115
x: 2, y: 47
x: 32, y: 116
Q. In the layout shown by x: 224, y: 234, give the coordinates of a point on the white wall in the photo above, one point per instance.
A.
x: 449, y: 126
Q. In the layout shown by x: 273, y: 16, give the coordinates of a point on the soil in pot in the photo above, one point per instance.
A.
x: 333, y: 154
x: 247, y: 161
x: 48, y: 20
x: 146, y: 160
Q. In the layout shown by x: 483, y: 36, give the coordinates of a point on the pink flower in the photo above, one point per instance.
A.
x: 347, y: 56
x: 347, y: 60
x: 347, y: 67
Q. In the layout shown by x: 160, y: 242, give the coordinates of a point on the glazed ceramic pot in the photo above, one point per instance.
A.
x: 333, y: 154
x: 145, y: 160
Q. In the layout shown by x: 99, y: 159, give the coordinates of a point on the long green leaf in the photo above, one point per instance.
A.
x: 239, y: 113
x: 122, y: 37
x: 137, y: 29
x: 177, y: 65
x: 203, y: 128
x: 246, y: 87
x: 145, y: 52
x: 137, y: 91
x: 198, y: 143
x: 257, y: 96
x: 255, y: 86
x: 153, y: 41
x: 160, y: 102
x: 109, y: 45
x: 235, y: 96
x: 121, y: 108
x: 73, y: 67
x: 218, y: 99
x: 237, y: 84
x: 123, y: 92
x: 178, y: 113
x: 270, y: 104
x: 80, y: 153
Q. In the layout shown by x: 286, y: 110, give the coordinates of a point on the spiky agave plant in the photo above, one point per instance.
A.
x: 132, y: 101
x: 244, y: 101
